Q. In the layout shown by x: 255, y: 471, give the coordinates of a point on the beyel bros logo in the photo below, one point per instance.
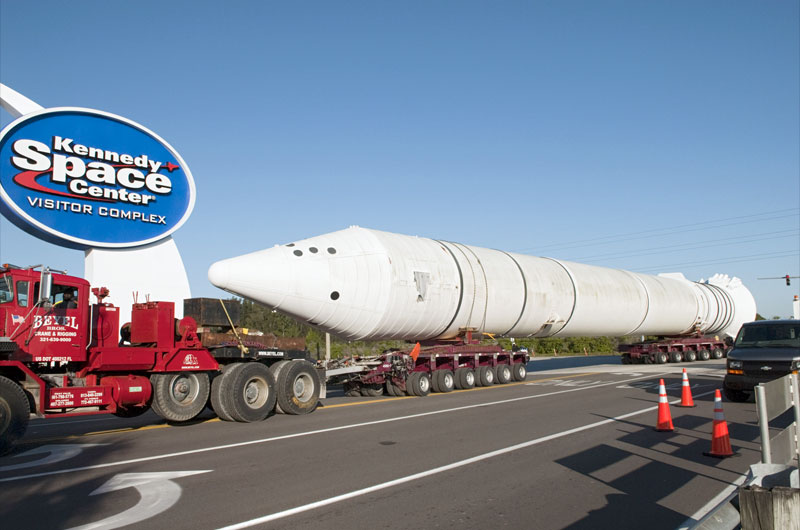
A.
x: 86, y: 178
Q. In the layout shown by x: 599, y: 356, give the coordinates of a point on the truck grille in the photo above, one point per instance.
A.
x: 767, y: 369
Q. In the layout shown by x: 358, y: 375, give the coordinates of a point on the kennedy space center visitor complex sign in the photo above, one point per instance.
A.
x: 83, y: 178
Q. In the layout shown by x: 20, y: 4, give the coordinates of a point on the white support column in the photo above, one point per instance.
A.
x: 154, y: 270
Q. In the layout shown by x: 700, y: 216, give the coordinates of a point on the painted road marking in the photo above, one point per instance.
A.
x: 55, y: 453
x: 306, y: 433
x: 158, y: 494
x: 431, y: 472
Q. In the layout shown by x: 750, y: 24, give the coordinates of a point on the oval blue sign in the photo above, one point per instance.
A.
x: 85, y: 178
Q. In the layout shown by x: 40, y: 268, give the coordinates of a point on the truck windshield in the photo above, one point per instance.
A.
x: 6, y: 292
x: 769, y: 336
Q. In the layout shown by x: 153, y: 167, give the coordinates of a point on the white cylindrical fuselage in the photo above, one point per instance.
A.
x: 363, y: 284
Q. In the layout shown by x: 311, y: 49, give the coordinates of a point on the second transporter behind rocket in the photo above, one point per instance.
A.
x: 363, y: 284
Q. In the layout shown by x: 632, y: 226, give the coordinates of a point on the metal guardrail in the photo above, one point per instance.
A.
x: 780, y: 454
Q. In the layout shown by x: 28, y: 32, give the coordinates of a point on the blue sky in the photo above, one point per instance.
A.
x: 650, y: 136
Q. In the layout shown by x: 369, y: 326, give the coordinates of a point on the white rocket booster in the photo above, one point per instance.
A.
x: 363, y: 284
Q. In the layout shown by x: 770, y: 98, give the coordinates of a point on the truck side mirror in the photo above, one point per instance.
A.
x: 45, y: 285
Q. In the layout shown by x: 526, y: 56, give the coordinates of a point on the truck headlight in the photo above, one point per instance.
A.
x: 795, y: 366
x: 735, y: 365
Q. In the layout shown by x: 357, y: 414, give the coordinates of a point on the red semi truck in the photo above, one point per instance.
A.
x: 62, y: 356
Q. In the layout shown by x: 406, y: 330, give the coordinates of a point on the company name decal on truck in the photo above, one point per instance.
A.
x: 91, y: 179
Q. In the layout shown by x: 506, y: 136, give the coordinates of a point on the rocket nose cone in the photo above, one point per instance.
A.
x: 219, y: 274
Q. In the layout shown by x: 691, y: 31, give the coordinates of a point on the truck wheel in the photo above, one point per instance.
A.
x: 503, y: 374
x: 297, y: 386
x: 519, y: 371
x: 389, y: 387
x: 14, y: 413
x: 690, y: 356
x: 465, y: 378
x: 626, y: 358
x: 675, y: 356
x: 717, y: 353
x: 704, y: 355
x: 252, y: 392
x: 443, y: 381
x: 221, y: 394
x: 375, y: 390
x: 737, y: 396
x: 485, y: 376
x: 662, y: 357
x: 180, y: 396
x: 418, y: 384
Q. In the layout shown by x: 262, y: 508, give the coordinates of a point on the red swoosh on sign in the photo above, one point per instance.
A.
x: 27, y: 179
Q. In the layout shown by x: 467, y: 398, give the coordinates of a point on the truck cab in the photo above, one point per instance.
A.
x: 43, y: 315
x: 764, y: 350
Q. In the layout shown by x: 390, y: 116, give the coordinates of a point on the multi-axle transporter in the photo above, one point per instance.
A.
x: 62, y: 356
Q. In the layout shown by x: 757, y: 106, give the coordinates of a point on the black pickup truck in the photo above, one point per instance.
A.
x: 764, y: 350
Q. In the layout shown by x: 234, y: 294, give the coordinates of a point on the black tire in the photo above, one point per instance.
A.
x: 704, y: 355
x: 675, y: 357
x: 485, y: 376
x: 465, y: 378
x: 503, y: 372
x: 662, y: 357
x: 252, y: 392
x: 221, y: 394
x: 375, y: 390
x: 519, y: 371
x: 180, y: 396
x: 447, y: 381
x: 647, y: 359
x: 625, y: 358
x: 418, y: 384
x: 690, y: 356
x: 717, y: 353
x: 297, y: 386
x: 737, y: 396
x: 14, y: 413
x: 390, y: 388
x: 435, y: 375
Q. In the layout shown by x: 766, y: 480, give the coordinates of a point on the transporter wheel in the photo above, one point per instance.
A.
x: 180, y: 396
x: 485, y: 376
x: 251, y: 390
x: 221, y: 394
x: 519, y: 371
x: 717, y: 353
x: 662, y: 357
x: 14, y: 413
x: 503, y: 372
x: 625, y: 358
x: 465, y: 378
x: 690, y: 356
x: 375, y: 390
x: 418, y: 384
x: 297, y: 386
x: 389, y: 387
x: 675, y: 356
x: 704, y: 355
x: 443, y: 381
x: 737, y: 396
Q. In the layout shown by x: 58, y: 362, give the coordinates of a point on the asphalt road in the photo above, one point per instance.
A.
x: 573, y: 446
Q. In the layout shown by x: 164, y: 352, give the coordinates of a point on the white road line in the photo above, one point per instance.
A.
x: 309, y: 433
x: 434, y: 471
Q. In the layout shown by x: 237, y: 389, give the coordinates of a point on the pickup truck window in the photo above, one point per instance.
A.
x: 764, y: 336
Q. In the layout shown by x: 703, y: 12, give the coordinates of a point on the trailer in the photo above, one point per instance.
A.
x: 62, y: 356
x: 674, y: 350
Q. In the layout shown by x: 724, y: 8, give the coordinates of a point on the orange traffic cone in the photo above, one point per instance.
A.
x: 664, y: 417
x: 720, y: 440
x: 686, y: 393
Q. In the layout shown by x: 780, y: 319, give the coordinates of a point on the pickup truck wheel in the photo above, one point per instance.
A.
x: 717, y: 353
x: 704, y: 355
x: 297, y: 386
x: 372, y: 390
x: 519, y: 371
x: 503, y: 372
x: 737, y: 396
x: 485, y: 376
x: 465, y: 378
x: 675, y: 356
x: 251, y: 388
x: 14, y: 413
x: 690, y: 356
x: 180, y: 396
